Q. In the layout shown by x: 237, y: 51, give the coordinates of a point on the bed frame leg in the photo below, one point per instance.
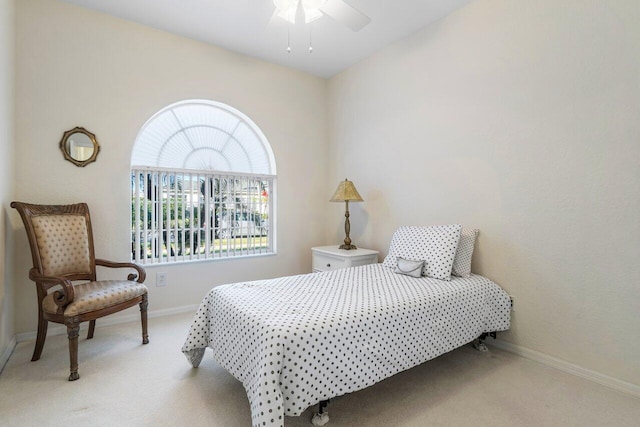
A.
x: 322, y: 416
x: 479, y: 344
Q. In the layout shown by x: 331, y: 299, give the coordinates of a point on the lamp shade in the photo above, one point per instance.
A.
x: 346, y: 192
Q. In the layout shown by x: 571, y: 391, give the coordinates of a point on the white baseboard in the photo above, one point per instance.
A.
x: 565, y: 366
x: 6, y: 353
x: 56, y: 329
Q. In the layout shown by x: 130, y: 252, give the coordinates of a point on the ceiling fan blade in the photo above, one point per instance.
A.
x: 345, y: 14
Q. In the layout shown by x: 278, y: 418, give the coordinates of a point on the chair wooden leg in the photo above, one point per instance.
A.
x: 42, y: 335
x: 143, y: 315
x: 92, y: 328
x: 73, y: 331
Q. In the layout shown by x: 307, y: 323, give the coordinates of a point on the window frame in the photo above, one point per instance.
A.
x: 194, y: 213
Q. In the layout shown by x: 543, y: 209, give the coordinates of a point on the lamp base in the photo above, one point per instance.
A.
x: 348, y: 247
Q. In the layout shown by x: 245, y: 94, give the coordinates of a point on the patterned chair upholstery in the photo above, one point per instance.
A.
x: 61, y: 242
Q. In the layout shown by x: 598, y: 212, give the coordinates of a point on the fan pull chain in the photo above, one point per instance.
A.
x: 310, y: 44
x: 288, y: 38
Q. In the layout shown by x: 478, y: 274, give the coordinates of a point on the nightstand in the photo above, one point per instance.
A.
x: 327, y: 258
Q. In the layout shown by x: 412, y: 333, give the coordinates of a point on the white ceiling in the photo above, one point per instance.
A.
x: 244, y: 26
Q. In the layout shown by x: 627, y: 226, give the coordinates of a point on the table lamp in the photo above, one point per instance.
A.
x: 346, y: 192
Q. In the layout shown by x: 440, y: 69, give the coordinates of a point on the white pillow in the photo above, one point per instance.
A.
x: 435, y: 245
x: 462, y: 261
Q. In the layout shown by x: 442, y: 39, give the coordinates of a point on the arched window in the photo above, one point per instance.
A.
x: 202, y: 185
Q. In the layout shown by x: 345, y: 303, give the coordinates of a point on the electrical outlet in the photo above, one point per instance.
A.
x: 513, y: 302
x: 161, y: 279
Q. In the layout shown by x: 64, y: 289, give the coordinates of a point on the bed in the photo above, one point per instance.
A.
x: 300, y: 340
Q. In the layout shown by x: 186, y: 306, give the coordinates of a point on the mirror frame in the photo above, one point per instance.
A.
x: 67, y: 155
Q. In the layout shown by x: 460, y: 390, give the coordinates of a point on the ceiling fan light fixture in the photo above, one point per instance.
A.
x: 313, y: 4
x: 288, y: 15
x: 288, y: 9
x: 284, y: 5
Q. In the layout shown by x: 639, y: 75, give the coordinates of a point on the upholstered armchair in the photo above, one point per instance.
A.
x: 64, y: 270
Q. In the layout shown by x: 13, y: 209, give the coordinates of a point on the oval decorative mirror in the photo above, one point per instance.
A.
x: 79, y: 146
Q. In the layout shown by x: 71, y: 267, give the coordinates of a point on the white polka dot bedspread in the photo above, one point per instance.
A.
x: 298, y: 340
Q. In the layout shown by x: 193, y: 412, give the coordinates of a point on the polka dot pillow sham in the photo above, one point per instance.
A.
x: 436, y: 245
x: 462, y: 261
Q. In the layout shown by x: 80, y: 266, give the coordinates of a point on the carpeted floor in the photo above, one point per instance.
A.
x: 123, y: 383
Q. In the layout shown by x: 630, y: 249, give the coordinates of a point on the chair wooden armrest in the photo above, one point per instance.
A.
x: 140, y: 277
x: 63, y: 297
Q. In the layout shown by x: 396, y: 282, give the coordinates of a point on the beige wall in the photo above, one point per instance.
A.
x: 519, y: 118
x: 6, y: 171
x: 82, y: 68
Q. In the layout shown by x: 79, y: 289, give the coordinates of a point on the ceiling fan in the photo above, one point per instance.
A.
x: 310, y: 10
